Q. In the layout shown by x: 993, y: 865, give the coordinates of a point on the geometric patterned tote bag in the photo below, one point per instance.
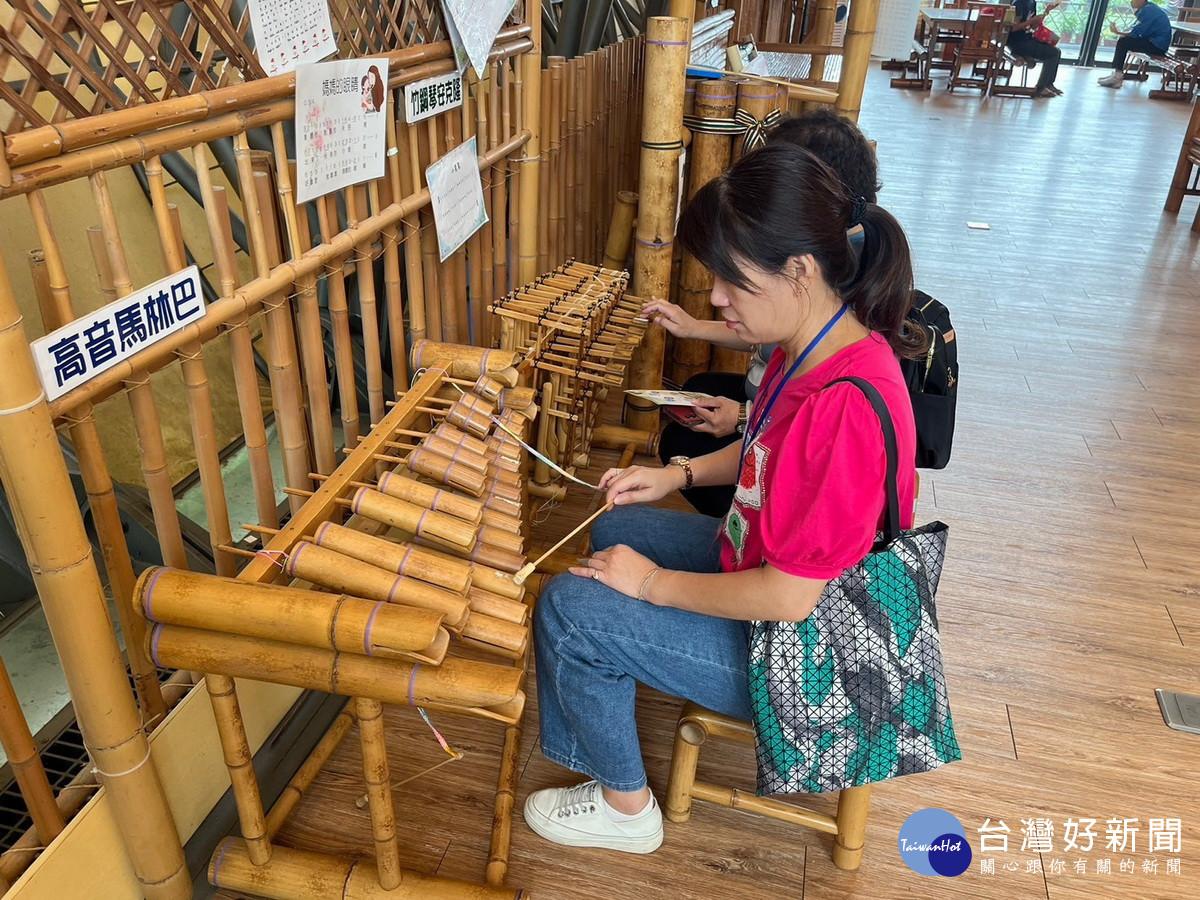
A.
x: 856, y: 692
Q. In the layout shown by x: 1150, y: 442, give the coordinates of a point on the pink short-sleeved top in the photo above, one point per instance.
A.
x: 810, y: 492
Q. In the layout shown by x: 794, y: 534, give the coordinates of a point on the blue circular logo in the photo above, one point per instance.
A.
x: 933, y: 842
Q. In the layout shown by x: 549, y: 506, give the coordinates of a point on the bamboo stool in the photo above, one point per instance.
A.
x: 696, y: 725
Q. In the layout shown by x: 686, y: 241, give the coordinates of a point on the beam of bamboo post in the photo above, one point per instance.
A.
x: 499, y: 132
x: 512, y: 113
x: 557, y: 187
x: 26, y: 763
x: 35, y: 478
x: 195, y: 378
x: 241, y: 345
x: 308, y: 311
x: 409, y: 183
x: 658, y: 195
x: 709, y: 158
x: 546, y: 176
x: 369, y: 713
x: 620, y: 231
x: 50, y: 283
x: 487, y: 248
x: 856, y: 56
x: 425, y: 140
x: 820, y: 33
x: 531, y: 159
x: 239, y: 762
x: 261, y: 217
x: 456, y: 265
x: 476, y: 297
x: 579, y: 175
x: 308, y: 772
x: 368, y: 311
x: 383, y: 193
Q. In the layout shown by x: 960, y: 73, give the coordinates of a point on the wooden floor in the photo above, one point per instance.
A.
x: 1072, y: 588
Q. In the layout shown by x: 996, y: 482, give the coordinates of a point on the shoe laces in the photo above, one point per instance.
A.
x: 577, y: 800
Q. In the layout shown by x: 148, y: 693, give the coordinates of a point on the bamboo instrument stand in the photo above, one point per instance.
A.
x: 575, y: 331
x: 378, y: 630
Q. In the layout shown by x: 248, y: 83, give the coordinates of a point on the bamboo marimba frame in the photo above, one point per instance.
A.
x: 576, y: 331
x: 181, y: 635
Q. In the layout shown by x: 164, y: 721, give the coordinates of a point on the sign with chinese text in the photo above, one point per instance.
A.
x: 432, y: 96
x: 473, y: 26
x: 340, y: 134
x: 457, y: 197
x: 97, y: 341
x: 289, y: 33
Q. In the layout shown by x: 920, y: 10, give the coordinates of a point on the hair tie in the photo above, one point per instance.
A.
x: 858, y: 211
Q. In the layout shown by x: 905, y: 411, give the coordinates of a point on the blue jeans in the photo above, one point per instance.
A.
x: 594, y: 643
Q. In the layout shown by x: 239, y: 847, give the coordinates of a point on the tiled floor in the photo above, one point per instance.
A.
x: 1072, y: 588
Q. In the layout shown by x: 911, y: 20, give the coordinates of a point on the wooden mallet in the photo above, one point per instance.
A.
x: 529, y: 568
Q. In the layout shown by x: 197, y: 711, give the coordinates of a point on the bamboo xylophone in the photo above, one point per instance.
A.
x: 392, y: 583
x: 576, y: 330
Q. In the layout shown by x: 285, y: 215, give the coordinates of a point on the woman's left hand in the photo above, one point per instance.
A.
x: 620, y: 567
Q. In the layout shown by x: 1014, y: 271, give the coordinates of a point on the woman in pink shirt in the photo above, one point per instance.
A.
x: 666, y: 598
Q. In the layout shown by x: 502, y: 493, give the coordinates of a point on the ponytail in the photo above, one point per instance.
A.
x: 880, y: 290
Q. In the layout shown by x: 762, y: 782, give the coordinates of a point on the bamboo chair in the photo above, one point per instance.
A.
x: 979, y: 54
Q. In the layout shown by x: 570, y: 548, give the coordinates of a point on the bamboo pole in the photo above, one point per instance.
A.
x: 560, y: 137
x: 307, y: 773
x: 372, y: 343
x: 263, y: 225
x: 50, y: 284
x: 486, y: 246
x: 457, y: 682
x: 305, y: 875
x: 546, y: 178
x: 410, y: 184
x: 498, y: 100
x: 60, y: 556
x: 431, y: 268
x: 241, y: 347
x: 710, y: 155
x: 620, y: 231
x: 456, y: 303
x: 531, y: 160
x: 383, y: 193
x: 369, y: 713
x: 821, y: 33
x: 26, y: 763
x: 856, y: 56
x: 658, y: 193
x: 287, y: 614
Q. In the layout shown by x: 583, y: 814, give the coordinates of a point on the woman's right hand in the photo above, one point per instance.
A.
x: 671, y: 317
x: 639, y: 484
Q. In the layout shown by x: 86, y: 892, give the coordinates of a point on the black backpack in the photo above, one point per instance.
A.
x: 933, y: 382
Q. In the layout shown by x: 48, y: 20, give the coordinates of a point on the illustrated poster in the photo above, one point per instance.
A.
x: 340, y: 112
x: 457, y: 197
x: 290, y: 33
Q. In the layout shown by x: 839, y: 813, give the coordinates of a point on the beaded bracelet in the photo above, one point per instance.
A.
x: 641, y: 595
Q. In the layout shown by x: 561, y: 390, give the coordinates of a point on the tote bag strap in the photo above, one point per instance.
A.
x: 891, y: 529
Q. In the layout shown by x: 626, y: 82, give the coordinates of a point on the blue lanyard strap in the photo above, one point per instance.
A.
x: 759, y: 421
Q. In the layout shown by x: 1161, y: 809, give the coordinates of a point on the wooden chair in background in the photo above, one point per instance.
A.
x: 977, y: 57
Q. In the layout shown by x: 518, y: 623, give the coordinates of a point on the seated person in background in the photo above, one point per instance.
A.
x: 1022, y: 42
x: 837, y: 142
x: 1151, y: 35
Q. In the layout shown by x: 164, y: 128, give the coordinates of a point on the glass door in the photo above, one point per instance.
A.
x: 1085, y: 34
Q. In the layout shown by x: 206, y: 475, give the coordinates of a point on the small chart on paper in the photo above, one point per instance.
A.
x: 457, y: 197
x: 289, y: 33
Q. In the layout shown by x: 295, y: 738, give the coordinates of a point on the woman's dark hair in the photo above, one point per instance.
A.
x: 779, y: 202
x: 377, y: 91
x: 838, y: 141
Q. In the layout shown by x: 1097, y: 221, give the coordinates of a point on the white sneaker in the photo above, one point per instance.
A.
x: 1115, y: 80
x: 578, y: 817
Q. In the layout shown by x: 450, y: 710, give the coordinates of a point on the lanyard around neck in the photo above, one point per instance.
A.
x: 760, y: 420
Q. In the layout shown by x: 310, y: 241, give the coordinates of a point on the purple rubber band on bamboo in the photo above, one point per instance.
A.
x: 384, y: 480
x: 225, y: 845
x: 654, y: 243
x: 320, y: 532
x: 760, y: 96
x: 150, y: 589
x: 668, y: 43
x: 357, y: 499
x: 421, y: 521
x: 412, y: 680
x: 293, y: 556
x: 407, y: 553
x: 367, y: 630
x: 392, y: 592
x: 483, y: 361
x: 154, y: 645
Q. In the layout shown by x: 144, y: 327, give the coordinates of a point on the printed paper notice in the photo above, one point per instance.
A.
x: 477, y: 22
x: 97, y: 341
x: 457, y: 196
x: 340, y: 110
x: 289, y: 33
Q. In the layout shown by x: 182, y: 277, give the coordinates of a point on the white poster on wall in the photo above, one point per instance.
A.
x: 97, y: 341
x: 456, y: 193
x: 340, y: 134
x: 477, y: 22
x: 289, y: 33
